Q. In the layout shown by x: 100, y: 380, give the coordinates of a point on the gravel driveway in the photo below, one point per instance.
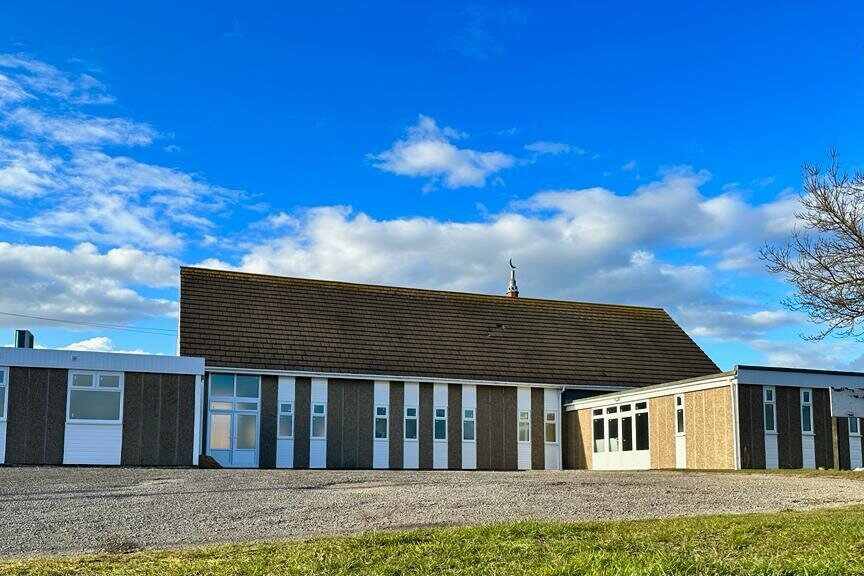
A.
x: 49, y: 510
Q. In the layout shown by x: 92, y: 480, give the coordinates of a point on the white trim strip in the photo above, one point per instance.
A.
x: 398, y: 378
x: 102, y: 361
x: 636, y: 394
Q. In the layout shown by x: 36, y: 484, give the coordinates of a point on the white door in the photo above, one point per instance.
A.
x: 233, y: 420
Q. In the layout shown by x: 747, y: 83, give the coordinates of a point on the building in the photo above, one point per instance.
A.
x: 279, y: 372
x: 751, y: 417
x: 308, y: 373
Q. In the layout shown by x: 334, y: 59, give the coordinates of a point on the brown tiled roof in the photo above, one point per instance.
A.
x: 257, y: 321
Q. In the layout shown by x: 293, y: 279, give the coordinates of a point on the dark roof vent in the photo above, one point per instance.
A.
x: 23, y: 339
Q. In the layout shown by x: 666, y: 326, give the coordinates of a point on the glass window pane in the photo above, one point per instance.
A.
x: 286, y: 408
x: 286, y: 425
x: 642, y: 431
x: 247, y: 406
x: 641, y: 405
x: 627, y: 434
x: 2, y: 401
x: 440, y: 413
x: 806, y: 424
x: 626, y: 408
x: 854, y: 424
x: 679, y: 401
x: 247, y: 386
x: 411, y: 412
x: 613, y: 436
x: 769, y: 417
x: 221, y: 385
x: 410, y: 428
x: 2, y: 377
x: 551, y: 416
x: 611, y: 410
x: 94, y: 405
x: 468, y: 430
x: 109, y: 381
x: 381, y: 428
x: 598, y: 411
x: 381, y: 410
x: 247, y: 429
x: 221, y: 405
x: 469, y: 414
x: 679, y: 419
x: 599, y: 436
x: 318, y: 409
x: 524, y: 430
x: 551, y: 432
x: 440, y: 429
x: 220, y: 436
x: 319, y: 428
x: 82, y: 379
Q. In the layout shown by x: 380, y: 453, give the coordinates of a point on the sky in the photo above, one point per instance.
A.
x: 628, y: 153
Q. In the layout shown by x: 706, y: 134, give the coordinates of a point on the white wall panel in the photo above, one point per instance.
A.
x: 104, y: 361
x: 92, y: 443
x: 772, y: 454
x: 855, y: 456
x: 469, y: 449
x: 285, y: 446
x: 411, y: 448
x: 439, y: 447
x: 2, y: 441
x: 681, y: 451
x: 318, y: 447
x: 523, y: 449
x: 808, y: 450
x: 552, y: 452
x: 381, y: 448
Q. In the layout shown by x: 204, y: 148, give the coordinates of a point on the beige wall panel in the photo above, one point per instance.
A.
x: 708, y: 424
x: 661, y: 430
x: 583, y: 448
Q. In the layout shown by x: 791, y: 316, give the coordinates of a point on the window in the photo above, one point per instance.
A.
x: 440, y: 430
x: 469, y: 423
x: 854, y: 426
x: 550, y: 429
x: 679, y: 414
x: 599, y: 432
x: 382, y: 422
x: 627, y: 434
x: 770, y: 406
x: 642, y: 442
x: 806, y: 410
x: 95, y: 397
x: 411, y: 423
x: 3, y: 395
x: 524, y: 426
x: 319, y: 421
x: 286, y: 420
x: 613, y: 435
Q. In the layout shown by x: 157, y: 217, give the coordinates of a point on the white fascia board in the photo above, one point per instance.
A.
x: 798, y: 378
x: 638, y: 394
x: 404, y: 378
x: 104, y: 361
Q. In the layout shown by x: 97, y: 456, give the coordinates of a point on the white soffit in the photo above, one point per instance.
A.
x: 107, y: 361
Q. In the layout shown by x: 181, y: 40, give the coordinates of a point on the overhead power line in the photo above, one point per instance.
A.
x: 143, y: 330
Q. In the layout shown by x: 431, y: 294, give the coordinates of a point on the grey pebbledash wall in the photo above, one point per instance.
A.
x: 36, y: 415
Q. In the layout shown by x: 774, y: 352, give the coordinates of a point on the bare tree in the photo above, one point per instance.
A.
x: 824, y: 259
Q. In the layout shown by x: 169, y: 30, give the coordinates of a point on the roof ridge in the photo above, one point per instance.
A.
x: 421, y: 290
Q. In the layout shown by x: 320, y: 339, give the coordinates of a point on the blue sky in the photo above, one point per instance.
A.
x: 633, y: 154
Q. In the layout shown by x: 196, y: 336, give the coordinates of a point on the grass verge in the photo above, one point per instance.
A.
x: 828, y: 541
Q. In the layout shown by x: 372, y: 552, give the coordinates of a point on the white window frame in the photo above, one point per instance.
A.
x: 312, y: 417
x: 773, y: 404
x: 855, y: 419
x: 385, y: 417
x: 546, y: 422
x: 519, y: 422
x: 808, y: 392
x: 636, y: 412
x: 282, y: 413
x: 683, y: 432
x: 595, y: 417
x: 96, y: 374
x: 435, y: 420
x: 472, y: 419
x: 5, y: 385
x: 416, y: 419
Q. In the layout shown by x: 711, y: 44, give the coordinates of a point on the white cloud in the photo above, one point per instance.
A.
x: 629, y: 166
x: 428, y: 152
x: 71, y: 130
x: 542, y: 147
x: 45, y: 79
x: 10, y: 91
x: 83, y: 283
x: 99, y: 344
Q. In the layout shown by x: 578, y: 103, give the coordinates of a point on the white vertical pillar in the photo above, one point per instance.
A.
x: 469, y: 447
x: 381, y: 446
x: 285, y: 443
x: 411, y: 446
x: 523, y: 448
x: 439, y: 447
x: 552, y: 450
x: 199, y: 416
x: 318, y: 446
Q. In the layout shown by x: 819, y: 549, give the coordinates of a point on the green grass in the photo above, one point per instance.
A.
x: 828, y: 541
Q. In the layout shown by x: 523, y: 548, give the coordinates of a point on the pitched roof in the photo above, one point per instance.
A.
x: 271, y: 322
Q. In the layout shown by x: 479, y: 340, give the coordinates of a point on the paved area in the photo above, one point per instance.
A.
x: 58, y: 510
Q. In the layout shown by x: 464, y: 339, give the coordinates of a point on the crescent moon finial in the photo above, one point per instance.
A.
x: 511, y: 264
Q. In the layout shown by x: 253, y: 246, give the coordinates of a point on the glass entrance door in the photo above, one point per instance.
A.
x: 234, y: 402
